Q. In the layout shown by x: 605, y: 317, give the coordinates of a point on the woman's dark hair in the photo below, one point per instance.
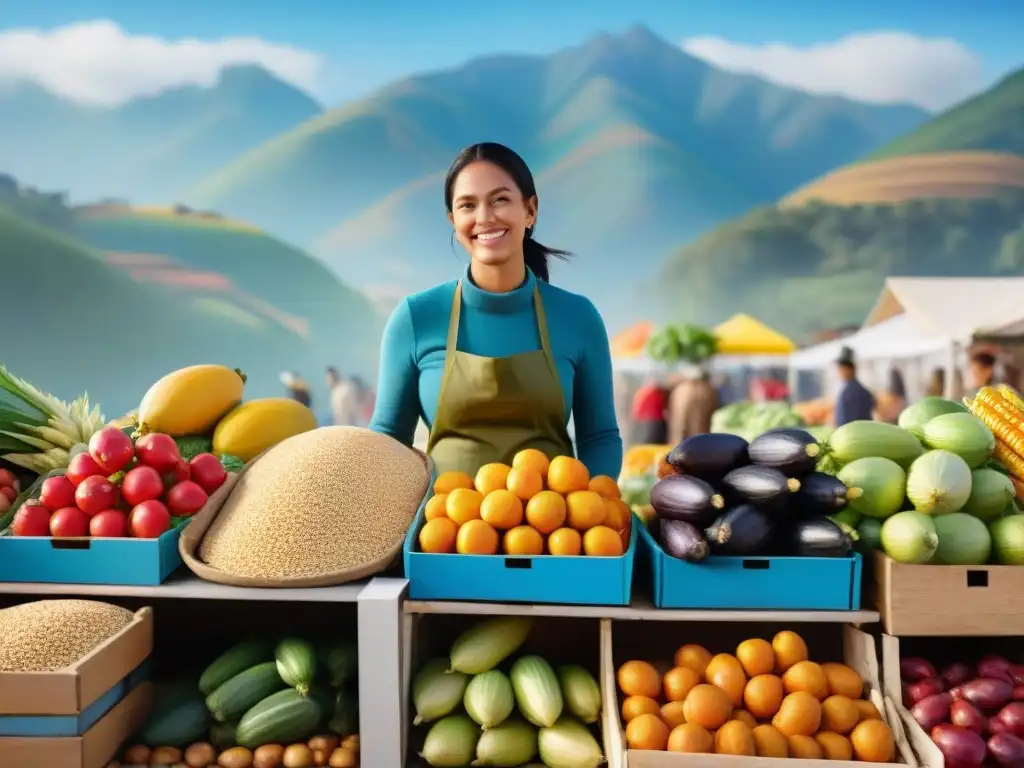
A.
x: 535, y: 254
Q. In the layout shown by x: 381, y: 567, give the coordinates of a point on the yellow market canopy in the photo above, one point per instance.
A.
x: 743, y: 335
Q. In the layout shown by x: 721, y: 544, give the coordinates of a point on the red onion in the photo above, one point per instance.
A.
x: 915, y: 668
x: 922, y: 689
x: 932, y: 711
x: 985, y: 693
x: 958, y: 673
x: 1012, y: 716
x: 1007, y: 750
x: 960, y: 747
x: 966, y: 715
x: 1017, y: 673
x: 995, y: 668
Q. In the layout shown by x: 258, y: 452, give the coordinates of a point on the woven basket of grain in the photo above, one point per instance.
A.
x: 321, y: 508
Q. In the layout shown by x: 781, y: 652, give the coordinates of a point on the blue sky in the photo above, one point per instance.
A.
x: 358, y: 46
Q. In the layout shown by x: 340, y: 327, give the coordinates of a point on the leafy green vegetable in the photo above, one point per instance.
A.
x: 191, y: 446
x: 231, y: 463
x: 748, y: 420
x: 681, y: 343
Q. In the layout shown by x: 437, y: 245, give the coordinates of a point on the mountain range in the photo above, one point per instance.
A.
x: 637, y: 148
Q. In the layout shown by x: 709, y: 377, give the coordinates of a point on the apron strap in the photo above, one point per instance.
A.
x: 451, y: 345
x: 542, y: 328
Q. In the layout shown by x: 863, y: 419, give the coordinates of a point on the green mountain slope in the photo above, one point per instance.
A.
x: 74, y: 323
x: 637, y: 145
x: 280, y: 282
x: 993, y: 121
x: 149, y: 149
x: 816, y: 267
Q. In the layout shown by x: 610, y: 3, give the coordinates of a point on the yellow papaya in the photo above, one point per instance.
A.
x: 190, y: 401
x: 252, y: 427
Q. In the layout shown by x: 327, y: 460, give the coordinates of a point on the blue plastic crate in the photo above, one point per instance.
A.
x: 53, y: 726
x: 753, y: 583
x: 518, y: 578
x: 134, y: 562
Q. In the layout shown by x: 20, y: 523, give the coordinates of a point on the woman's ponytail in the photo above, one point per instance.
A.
x: 536, y: 256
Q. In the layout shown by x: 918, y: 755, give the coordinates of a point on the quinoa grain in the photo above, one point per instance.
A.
x: 319, y: 503
x: 48, y: 635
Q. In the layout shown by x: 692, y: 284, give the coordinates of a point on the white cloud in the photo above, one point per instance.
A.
x: 877, y: 67
x: 97, y: 62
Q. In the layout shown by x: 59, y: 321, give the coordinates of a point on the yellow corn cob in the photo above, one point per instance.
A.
x: 1019, y: 485
x: 998, y: 415
x: 1012, y: 395
x: 1013, y: 463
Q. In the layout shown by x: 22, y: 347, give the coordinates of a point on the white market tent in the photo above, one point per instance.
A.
x: 932, y: 318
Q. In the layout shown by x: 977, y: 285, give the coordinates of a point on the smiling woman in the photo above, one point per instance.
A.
x: 497, y: 361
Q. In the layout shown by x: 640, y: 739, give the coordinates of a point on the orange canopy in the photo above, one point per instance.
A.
x: 632, y: 341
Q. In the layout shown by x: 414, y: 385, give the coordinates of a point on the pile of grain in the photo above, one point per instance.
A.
x: 48, y: 635
x: 319, y: 503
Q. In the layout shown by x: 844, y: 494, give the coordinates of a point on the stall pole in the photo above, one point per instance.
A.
x: 380, y: 672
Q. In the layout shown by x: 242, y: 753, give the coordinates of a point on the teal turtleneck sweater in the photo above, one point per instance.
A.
x: 499, y: 325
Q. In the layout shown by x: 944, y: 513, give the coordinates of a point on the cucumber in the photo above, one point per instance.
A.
x: 178, y: 723
x: 345, y: 717
x: 241, y: 657
x: 222, y: 735
x: 284, y: 717
x: 863, y: 439
x: 341, y: 661
x: 296, y: 663
x: 244, y: 691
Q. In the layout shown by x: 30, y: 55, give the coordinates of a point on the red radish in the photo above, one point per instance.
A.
x: 5, y: 503
x: 149, y: 520
x: 57, y: 493
x: 1007, y: 750
x: 81, y: 467
x: 922, y: 689
x: 206, y: 469
x: 112, y: 449
x: 966, y: 715
x: 68, y: 522
x: 95, y: 494
x: 7, y: 479
x: 960, y: 748
x: 141, y: 484
x: 109, y: 524
x: 158, y: 451
x: 9, y: 493
x: 186, y: 499
x: 31, y: 519
x: 913, y: 669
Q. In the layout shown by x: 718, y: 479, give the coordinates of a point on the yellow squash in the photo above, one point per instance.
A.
x: 253, y: 427
x: 190, y: 401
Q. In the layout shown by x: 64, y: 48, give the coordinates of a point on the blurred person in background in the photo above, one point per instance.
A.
x: 648, y: 412
x: 297, y: 388
x: 365, y: 400
x: 346, y: 400
x: 853, y: 401
x: 981, y: 371
x: 893, y: 400
x: 936, y: 383
x: 690, y: 405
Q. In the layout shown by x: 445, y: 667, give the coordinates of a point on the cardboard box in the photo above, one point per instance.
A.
x: 858, y: 652
x: 921, y: 743
x: 94, y: 749
x: 70, y: 691
x: 949, y: 600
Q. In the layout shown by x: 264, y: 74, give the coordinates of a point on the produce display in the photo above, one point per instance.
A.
x: 973, y: 712
x: 260, y: 704
x: 487, y: 705
x: 333, y: 501
x: 533, y: 507
x: 767, y: 699
x: 47, y: 635
x: 931, y: 491
x: 119, y: 487
x: 765, y: 497
x: 750, y: 419
x: 10, y: 487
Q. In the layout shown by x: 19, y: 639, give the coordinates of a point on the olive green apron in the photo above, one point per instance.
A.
x: 490, y: 408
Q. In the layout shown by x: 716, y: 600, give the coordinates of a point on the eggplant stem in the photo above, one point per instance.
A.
x: 722, y: 534
x: 853, y: 494
x: 717, y: 501
x: 793, y: 484
x: 813, y: 449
